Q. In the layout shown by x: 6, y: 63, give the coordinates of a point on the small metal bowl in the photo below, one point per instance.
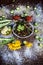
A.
x: 25, y: 36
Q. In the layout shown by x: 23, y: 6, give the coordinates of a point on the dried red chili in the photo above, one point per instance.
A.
x: 29, y: 18
x: 16, y: 17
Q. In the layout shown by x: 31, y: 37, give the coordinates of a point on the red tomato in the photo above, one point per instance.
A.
x: 16, y: 17
x: 29, y: 18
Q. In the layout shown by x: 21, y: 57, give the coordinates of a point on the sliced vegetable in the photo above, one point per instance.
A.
x: 4, y: 41
x: 40, y: 39
x: 37, y: 37
x: 12, y: 11
x: 41, y: 45
x: 20, y: 28
x: 28, y: 6
x: 35, y: 30
x: 4, y: 21
x: 18, y: 8
x: 6, y: 30
x: 35, y: 24
x: 4, y: 24
x: 0, y: 18
x: 35, y: 8
x: 25, y: 14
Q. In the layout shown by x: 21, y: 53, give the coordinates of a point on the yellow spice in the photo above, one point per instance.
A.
x: 14, y: 46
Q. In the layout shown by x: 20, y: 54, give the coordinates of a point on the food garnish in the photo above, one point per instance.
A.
x: 28, y: 44
x: 15, y: 45
x: 29, y: 18
x: 6, y: 30
x: 4, y: 41
x: 16, y: 17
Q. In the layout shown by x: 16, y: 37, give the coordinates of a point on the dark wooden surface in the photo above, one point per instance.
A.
x: 20, y: 1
